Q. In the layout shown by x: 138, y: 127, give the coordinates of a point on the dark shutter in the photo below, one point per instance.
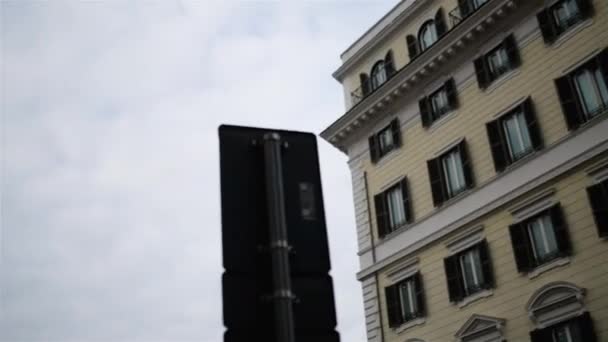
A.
x: 440, y: 26
x: 585, y: 7
x: 389, y: 64
x: 585, y: 327
x: 532, y: 122
x: 598, y: 196
x: 452, y: 274
x: 541, y: 335
x: 546, y: 25
x: 486, y: 264
x: 381, y: 214
x: 512, y: 51
x: 434, y: 166
x: 420, y: 300
x: 481, y: 72
x: 603, y: 62
x: 521, y: 247
x: 450, y: 89
x: 373, y: 149
x: 396, y: 131
x: 392, y: 306
x: 497, y: 145
x: 406, y: 200
x: 425, y: 112
x: 365, y: 86
x: 467, y: 166
x: 465, y: 8
x: 561, y: 230
x: 412, y: 46
x: 568, y: 100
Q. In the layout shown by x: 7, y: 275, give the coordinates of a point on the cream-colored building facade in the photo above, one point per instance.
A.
x: 477, y: 137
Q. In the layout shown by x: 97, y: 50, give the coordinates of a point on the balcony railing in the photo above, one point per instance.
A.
x: 457, y: 16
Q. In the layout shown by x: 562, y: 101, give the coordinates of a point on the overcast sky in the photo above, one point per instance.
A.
x: 110, y: 216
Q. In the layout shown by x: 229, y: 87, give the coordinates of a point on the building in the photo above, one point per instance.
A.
x: 477, y: 137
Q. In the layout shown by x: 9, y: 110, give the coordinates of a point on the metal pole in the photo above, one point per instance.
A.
x: 279, y: 245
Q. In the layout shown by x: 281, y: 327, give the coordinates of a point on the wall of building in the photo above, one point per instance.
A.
x: 508, y: 301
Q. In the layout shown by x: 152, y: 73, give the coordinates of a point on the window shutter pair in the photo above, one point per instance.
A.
x: 598, y: 196
x: 412, y: 46
x: 393, y: 304
x: 454, y: 275
x: 436, y: 175
x: 522, y: 246
x: 548, y: 26
x: 426, y: 114
x: 568, y: 95
x: 585, y: 328
x: 440, y: 25
x: 365, y: 86
x: 498, y: 141
x: 374, y: 145
x: 382, y: 211
x: 482, y: 70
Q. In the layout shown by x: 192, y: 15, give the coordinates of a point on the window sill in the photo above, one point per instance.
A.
x: 523, y: 159
x: 442, y: 120
x: 571, y: 32
x: 409, y: 324
x: 475, y: 297
x: 501, y: 79
x: 396, y: 231
x: 559, y: 262
x: 456, y: 197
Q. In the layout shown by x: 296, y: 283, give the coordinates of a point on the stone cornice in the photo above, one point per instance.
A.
x: 453, y: 43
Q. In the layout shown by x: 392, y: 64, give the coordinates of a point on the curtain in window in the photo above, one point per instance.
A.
x: 544, y: 243
x: 454, y: 175
x: 518, y: 136
x: 395, y: 208
x: 471, y: 270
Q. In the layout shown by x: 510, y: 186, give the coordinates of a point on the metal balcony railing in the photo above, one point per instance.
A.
x: 457, y: 16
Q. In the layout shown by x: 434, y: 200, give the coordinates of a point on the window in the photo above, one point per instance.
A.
x: 386, y: 140
x: 578, y: 329
x: 497, y: 62
x: 563, y: 15
x: 440, y: 102
x: 583, y: 93
x: 405, y: 301
x: 598, y: 196
x: 392, y: 208
x: 540, y: 239
x: 514, y: 135
x: 428, y: 35
x: 469, y: 272
x: 450, y: 174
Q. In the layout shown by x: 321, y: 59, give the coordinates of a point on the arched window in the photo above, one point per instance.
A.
x: 428, y: 35
x: 378, y: 75
x: 481, y: 328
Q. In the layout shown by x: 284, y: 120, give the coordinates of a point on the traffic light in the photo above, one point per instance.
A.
x: 276, y: 285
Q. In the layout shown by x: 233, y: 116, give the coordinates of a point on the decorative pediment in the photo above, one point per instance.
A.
x: 555, y: 302
x: 481, y: 328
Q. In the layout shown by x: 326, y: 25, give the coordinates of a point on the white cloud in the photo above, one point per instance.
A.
x: 110, y: 180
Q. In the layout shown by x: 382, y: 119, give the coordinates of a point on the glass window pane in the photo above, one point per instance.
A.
x: 518, y: 136
x: 498, y: 61
x: 543, y: 238
x: 396, y: 208
x: 407, y: 295
x: 566, y: 14
x: 439, y: 102
x: 453, y: 172
x: 585, y: 87
x: 386, y: 140
x: 471, y: 270
x: 428, y: 36
x: 603, y: 88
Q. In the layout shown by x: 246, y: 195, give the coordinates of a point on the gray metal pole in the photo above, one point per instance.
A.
x: 279, y: 246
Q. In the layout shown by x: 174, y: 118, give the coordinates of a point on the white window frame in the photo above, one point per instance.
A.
x: 449, y: 166
x: 475, y: 267
x: 517, y: 118
x: 543, y: 230
x: 431, y: 29
x: 592, y: 77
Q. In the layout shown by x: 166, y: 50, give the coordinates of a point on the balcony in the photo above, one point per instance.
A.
x: 457, y: 16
